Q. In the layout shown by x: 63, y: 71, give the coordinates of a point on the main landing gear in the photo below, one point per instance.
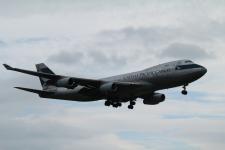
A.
x: 114, y: 104
x: 119, y: 104
x: 184, y: 91
x: 107, y: 103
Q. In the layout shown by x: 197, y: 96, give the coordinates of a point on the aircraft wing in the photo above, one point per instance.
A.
x: 79, y: 81
x: 131, y: 84
x: 90, y: 83
x: 33, y: 73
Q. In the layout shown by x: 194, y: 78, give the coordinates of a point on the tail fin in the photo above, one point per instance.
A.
x: 42, y: 68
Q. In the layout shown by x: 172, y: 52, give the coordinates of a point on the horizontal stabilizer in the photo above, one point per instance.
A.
x: 7, y: 67
x: 34, y: 90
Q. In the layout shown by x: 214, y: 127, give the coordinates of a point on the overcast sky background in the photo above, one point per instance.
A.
x: 99, y: 38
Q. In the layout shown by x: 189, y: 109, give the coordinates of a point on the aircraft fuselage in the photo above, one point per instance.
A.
x: 163, y: 76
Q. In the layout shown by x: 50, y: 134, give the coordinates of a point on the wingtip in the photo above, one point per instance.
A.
x: 19, y: 88
x: 7, y: 66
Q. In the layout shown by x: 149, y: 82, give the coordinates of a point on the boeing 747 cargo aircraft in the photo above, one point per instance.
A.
x: 118, y: 89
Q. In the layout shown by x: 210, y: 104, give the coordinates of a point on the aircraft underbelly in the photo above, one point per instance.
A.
x: 72, y: 94
x: 171, y: 80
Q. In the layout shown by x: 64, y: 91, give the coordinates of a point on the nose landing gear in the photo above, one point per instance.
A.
x: 184, y: 91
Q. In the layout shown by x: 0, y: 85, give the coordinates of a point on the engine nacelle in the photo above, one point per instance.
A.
x: 108, y: 88
x: 156, y: 98
x: 66, y: 82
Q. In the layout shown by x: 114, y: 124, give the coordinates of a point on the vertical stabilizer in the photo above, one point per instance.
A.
x: 44, y: 69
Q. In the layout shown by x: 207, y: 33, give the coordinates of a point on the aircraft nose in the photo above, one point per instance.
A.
x: 203, y: 70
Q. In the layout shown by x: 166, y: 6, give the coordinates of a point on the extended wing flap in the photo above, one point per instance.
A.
x: 91, y: 83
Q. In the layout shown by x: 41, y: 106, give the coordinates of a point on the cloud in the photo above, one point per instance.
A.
x: 32, y: 40
x: 77, y: 62
x: 27, y: 8
x: 2, y: 43
x: 112, y: 59
x: 66, y: 57
x: 217, y: 29
x: 181, y: 51
x: 102, y: 127
x: 49, y: 132
x: 146, y: 37
x: 94, y: 56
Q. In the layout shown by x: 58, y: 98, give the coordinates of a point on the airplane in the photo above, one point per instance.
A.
x: 118, y: 89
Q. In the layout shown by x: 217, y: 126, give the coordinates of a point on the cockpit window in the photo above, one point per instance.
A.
x: 181, y: 67
x: 188, y: 61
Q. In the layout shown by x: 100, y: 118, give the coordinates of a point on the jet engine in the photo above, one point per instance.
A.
x: 108, y: 88
x: 66, y: 82
x: 154, y: 99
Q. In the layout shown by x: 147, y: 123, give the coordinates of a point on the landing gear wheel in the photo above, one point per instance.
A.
x: 107, y: 103
x: 130, y: 106
x: 132, y: 103
x: 184, y: 92
x: 119, y: 104
x: 115, y: 105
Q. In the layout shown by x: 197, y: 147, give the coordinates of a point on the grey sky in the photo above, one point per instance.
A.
x: 66, y: 57
x: 182, y: 51
x: 98, y: 38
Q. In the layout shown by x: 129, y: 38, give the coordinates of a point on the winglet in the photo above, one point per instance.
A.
x: 7, y: 67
